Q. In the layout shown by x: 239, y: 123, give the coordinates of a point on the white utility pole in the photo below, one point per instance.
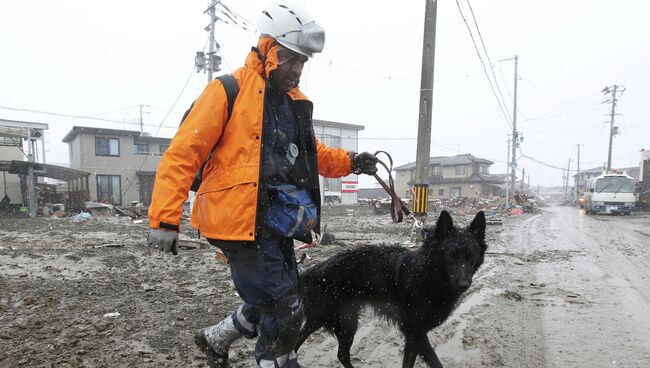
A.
x: 516, y: 138
x: 213, y: 62
x: 213, y: 20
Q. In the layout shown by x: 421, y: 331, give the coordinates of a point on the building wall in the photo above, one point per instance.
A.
x: 125, y: 165
x: 450, y: 171
x: 74, y: 156
x: 401, y: 179
x: 466, y: 190
x: 347, y: 139
x: 13, y: 181
x: 645, y: 156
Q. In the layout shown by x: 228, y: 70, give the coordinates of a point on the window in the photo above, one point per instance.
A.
x: 330, y: 140
x: 484, y: 169
x: 460, y: 170
x: 441, y: 192
x: 109, y: 189
x: 455, y: 192
x: 141, y: 148
x: 163, y: 148
x: 332, y: 184
x: 107, y: 146
x: 436, y: 171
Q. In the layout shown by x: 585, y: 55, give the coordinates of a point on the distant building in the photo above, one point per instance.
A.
x: 453, y: 176
x: 372, y: 193
x: 580, y: 180
x: 10, y: 183
x: 644, y: 166
x: 630, y: 171
x: 552, y: 194
x: 339, y: 135
x: 123, y: 163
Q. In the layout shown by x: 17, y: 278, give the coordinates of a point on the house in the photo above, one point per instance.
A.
x: 552, y: 194
x: 453, y: 176
x: 24, y: 170
x: 123, y: 163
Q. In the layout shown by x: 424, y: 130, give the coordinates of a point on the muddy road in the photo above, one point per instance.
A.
x: 558, y: 289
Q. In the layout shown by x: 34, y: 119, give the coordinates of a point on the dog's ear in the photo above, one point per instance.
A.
x: 444, y: 226
x: 477, y: 227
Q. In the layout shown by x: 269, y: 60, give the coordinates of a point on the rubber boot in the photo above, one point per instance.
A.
x: 215, y: 341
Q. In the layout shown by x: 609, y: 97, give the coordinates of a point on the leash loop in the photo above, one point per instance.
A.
x: 398, y: 207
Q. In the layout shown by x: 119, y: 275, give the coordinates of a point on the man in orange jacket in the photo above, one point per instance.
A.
x: 260, y: 186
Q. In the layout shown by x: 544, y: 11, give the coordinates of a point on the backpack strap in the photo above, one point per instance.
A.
x: 232, y: 90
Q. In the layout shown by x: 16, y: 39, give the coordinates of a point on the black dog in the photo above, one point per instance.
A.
x: 415, y: 289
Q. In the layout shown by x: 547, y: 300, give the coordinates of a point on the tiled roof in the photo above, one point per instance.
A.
x: 464, y: 159
x: 76, y: 130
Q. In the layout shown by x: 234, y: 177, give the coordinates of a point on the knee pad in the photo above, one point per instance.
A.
x: 281, y: 324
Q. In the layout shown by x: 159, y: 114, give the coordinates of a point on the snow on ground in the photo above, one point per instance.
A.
x: 558, y: 289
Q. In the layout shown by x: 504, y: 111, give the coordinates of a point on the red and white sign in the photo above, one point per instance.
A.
x: 349, y: 187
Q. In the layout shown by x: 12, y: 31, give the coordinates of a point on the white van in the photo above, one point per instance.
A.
x: 610, y: 193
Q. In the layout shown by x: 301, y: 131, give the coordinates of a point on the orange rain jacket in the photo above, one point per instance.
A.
x: 226, y: 206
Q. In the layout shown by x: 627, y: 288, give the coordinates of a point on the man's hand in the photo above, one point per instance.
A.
x: 364, y: 163
x: 163, y: 240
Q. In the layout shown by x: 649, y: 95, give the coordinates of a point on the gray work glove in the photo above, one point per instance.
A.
x: 364, y: 163
x: 163, y: 240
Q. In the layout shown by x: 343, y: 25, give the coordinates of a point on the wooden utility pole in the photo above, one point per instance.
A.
x: 141, y: 121
x: 420, y: 203
x: 578, y: 179
x: 613, y: 90
x: 566, y: 186
x: 508, y: 167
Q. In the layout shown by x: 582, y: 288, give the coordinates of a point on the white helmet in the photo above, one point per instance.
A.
x: 292, y: 27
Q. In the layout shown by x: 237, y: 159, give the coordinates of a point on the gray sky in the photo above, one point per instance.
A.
x: 103, y: 59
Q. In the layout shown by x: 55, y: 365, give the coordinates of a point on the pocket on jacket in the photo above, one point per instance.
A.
x: 228, y: 212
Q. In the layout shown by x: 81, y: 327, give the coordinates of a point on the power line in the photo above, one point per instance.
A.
x: 84, y: 117
x: 478, y: 30
x: 236, y: 15
x: 556, y: 112
x: 61, y: 115
x: 544, y: 163
x: 159, y: 126
x: 484, y: 67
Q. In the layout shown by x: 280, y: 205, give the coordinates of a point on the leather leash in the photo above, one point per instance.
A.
x: 398, y: 207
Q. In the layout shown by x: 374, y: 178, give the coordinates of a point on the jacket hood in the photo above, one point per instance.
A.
x: 264, y: 59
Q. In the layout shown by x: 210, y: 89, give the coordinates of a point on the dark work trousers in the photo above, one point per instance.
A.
x: 265, y: 275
